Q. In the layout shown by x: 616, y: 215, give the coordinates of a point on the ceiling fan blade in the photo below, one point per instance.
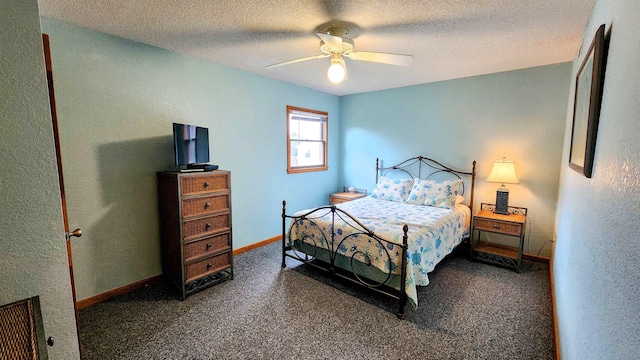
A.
x: 385, y: 58
x: 296, y: 60
x: 334, y: 42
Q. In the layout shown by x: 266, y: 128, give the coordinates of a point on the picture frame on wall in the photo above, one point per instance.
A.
x: 586, y: 108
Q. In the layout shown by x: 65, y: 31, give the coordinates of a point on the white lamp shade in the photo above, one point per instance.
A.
x: 503, y: 171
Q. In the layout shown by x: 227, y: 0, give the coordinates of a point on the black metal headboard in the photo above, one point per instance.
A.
x: 428, y: 168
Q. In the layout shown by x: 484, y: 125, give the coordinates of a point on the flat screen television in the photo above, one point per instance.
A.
x: 191, y: 145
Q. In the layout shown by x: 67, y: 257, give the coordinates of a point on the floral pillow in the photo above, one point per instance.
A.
x: 392, y: 189
x: 437, y: 194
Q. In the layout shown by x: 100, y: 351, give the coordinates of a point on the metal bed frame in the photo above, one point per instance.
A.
x: 335, y: 239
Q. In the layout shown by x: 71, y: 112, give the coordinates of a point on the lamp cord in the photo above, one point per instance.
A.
x: 535, y: 260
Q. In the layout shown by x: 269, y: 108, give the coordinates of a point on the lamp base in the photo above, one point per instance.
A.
x: 502, y: 202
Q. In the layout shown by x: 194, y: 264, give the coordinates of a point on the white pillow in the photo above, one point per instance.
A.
x: 438, y: 194
x: 459, y: 199
x: 392, y: 189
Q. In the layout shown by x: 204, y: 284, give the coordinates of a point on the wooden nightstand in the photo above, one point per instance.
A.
x: 342, y: 197
x: 513, y: 225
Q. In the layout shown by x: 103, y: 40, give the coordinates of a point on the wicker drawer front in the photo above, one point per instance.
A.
x: 206, y: 266
x: 205, y: 205
x: 207, y: 225
x: 207, y: 246
x: 203, y: 184
x: 498, y: 226
x: 337, y: 200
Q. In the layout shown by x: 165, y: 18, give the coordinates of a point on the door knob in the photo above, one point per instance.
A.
x: 76, y: 233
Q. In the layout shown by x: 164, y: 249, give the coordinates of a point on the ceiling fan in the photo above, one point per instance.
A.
x: 336, y: 45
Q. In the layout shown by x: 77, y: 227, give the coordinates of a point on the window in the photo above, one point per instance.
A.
x: 306, y: 140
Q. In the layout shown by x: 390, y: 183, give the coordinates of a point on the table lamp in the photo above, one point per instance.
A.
x: 504, y: 172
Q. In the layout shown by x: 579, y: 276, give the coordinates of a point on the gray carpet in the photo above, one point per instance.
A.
x: 469, y: 311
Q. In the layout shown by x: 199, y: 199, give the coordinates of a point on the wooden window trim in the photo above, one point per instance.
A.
x: 303, y: 169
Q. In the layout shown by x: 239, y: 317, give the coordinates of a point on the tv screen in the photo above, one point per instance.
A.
x: 191, y: 144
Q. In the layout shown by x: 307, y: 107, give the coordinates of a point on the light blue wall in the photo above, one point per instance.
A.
x: 33, y: 256
x: 596, y: 275
x: 517, y: 114
x: 116, y: 102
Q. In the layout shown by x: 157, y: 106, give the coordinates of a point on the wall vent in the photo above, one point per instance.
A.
x: 21, y: 331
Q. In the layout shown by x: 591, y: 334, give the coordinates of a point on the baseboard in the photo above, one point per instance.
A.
x: 257, y: 245
x: 556, y: 340
x: 85, y: 303
x: 540, y: 259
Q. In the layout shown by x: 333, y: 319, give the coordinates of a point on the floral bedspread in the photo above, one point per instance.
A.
x: 433, y: 233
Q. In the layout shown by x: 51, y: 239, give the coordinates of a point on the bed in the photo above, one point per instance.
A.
x: 391, y: 239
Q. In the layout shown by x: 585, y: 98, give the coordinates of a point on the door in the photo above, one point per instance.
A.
x: 56, y: 137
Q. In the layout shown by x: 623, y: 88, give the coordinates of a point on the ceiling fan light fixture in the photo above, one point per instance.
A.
x: 334, y: 44
x: 337, y: 70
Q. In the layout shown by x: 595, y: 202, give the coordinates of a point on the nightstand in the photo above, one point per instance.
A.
x: 512, y: 225
x: 341, y: 197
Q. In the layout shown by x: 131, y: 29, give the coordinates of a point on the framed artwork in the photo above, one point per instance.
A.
x: 586, y: 107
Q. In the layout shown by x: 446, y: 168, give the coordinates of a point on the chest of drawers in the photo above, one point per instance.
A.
x: 195, y: 228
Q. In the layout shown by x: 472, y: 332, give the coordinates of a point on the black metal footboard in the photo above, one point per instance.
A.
x: 315, y: 239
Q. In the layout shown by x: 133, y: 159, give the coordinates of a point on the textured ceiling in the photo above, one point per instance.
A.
x: 448, y: 38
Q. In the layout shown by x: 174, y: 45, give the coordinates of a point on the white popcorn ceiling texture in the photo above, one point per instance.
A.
x: 448, y: 38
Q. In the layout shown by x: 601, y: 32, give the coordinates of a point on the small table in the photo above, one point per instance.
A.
x: 513, y: 224
x: 341, y: 197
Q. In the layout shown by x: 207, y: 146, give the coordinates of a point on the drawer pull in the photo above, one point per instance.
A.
x: 496, y: 226
x: 209, y: 266
x: 206, y: 184
x: 208, y: 246
x: 207, y: 205
x: 208, y: 226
